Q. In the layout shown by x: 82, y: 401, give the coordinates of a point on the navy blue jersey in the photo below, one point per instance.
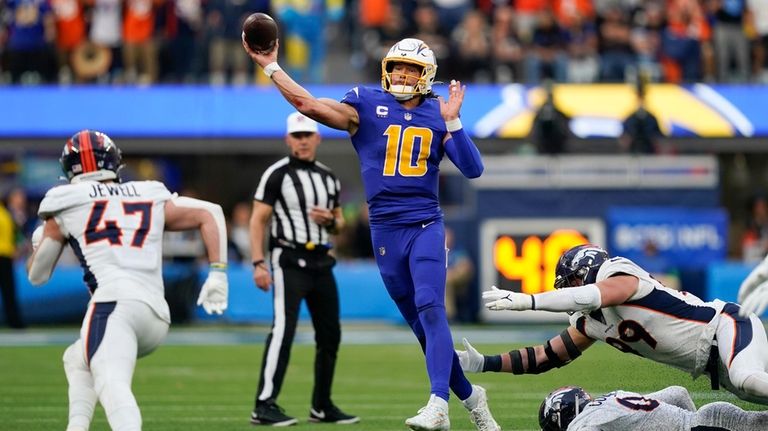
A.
x: 400, y: 152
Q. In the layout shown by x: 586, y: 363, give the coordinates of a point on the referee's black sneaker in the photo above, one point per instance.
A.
x: 271, y: 414
x: 331, y: 415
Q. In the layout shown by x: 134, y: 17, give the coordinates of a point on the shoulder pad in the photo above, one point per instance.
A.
x: 617, y: 265
x: 63, y: 197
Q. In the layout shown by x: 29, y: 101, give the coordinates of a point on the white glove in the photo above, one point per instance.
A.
x: 754, y: 279
x: 471, y: 360
x: 756, y: 302
x: 213, y: 295
x: 37, y: 236
x: 497, y: 299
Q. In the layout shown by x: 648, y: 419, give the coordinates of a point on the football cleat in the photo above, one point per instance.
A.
x: 432, y: 417
x: 481, y: 415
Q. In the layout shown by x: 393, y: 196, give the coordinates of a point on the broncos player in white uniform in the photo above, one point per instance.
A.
x: 616, y: 301
x: 116, y: 231
x: 671, y: 409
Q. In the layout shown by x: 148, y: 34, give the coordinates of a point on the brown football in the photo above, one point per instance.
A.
x: 260, y: 32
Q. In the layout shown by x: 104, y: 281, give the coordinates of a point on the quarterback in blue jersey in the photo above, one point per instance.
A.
x: 401, y: 131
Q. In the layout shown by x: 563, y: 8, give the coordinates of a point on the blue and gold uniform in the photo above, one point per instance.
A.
x: 400, y: 152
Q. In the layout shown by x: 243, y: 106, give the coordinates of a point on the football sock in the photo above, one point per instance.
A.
x: 756, y: 385
x: 459, y: 383
x: 434, y: 399
x: 471, y: 401
x: 82, y: 397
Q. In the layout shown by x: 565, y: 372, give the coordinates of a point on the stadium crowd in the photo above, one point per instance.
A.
x: 198, y: 41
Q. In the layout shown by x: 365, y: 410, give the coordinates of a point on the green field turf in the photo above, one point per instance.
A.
x: 188, y: 388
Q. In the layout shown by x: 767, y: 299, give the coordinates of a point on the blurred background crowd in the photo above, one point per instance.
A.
x: 326, y: 41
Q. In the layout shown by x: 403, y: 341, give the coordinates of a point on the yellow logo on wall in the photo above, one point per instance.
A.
x: 600, y: 109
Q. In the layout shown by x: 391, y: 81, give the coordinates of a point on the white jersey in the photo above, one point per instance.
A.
x: 622, y: 411
x: 658, y: 323
x: 116, y: 231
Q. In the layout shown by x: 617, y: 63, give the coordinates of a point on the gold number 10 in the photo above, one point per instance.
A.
x: 407, y: 167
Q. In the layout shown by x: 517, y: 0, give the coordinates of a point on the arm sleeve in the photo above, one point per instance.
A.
x: 464, y: 154
x: 582, y: 298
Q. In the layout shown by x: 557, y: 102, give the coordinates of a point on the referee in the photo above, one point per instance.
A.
x: 301, y: 198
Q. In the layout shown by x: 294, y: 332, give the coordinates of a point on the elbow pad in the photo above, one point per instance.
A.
x: 218, y: 216
x: 582, y: 298
x: 44, y: 260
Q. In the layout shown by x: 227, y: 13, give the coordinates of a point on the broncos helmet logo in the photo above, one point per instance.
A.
x: 579, y: 266
x: 561, y: 406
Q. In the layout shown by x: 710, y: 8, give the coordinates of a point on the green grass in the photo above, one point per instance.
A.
x: 190, y: 388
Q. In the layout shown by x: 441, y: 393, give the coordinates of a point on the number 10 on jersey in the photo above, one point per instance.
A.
x: 403, y: 142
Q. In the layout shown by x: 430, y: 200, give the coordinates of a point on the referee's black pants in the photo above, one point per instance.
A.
x: 300, y: 275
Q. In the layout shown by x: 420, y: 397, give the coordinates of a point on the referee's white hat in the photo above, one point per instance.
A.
x: 298, y: 122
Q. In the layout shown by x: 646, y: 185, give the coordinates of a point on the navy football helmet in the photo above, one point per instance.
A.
x: 579, y: 265
x: 561, y: 406
x: 90, y: 155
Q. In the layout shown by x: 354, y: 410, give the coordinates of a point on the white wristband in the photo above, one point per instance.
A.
x: 271, y: 68
x: 453, y: 125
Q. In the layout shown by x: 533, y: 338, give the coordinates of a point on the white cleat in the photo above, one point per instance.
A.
x: 481, y: 415
x: 432, y: 417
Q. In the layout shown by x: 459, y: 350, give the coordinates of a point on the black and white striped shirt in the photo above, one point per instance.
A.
x: 292, y: 187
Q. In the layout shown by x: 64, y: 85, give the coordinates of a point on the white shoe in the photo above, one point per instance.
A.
x: 481, y: 415
x: 432, y: 417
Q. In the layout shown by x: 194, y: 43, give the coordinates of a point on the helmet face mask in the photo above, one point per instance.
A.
x: 414, y: 52
x: 561, y: 406
x: 579, y: 266
x: 90, y: 155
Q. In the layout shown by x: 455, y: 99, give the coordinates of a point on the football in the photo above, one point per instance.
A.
x: 260, y: 32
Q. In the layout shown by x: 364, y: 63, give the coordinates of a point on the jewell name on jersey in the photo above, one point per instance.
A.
x: 100, y: 190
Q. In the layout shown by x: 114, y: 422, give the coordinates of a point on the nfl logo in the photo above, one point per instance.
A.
x: 382, y: 251
x: 408, y: 116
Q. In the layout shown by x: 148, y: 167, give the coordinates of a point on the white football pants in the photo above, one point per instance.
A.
x: 132, y: 330
x: 746, y: 373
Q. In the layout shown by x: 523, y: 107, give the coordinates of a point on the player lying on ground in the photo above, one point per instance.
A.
x: 616, y: 301
x: 671, y: 409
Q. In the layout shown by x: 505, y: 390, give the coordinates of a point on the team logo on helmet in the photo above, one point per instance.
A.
x: 411, y: 51
x: 90, y: 155
x: 579, y: 265
x: 561, y: 406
